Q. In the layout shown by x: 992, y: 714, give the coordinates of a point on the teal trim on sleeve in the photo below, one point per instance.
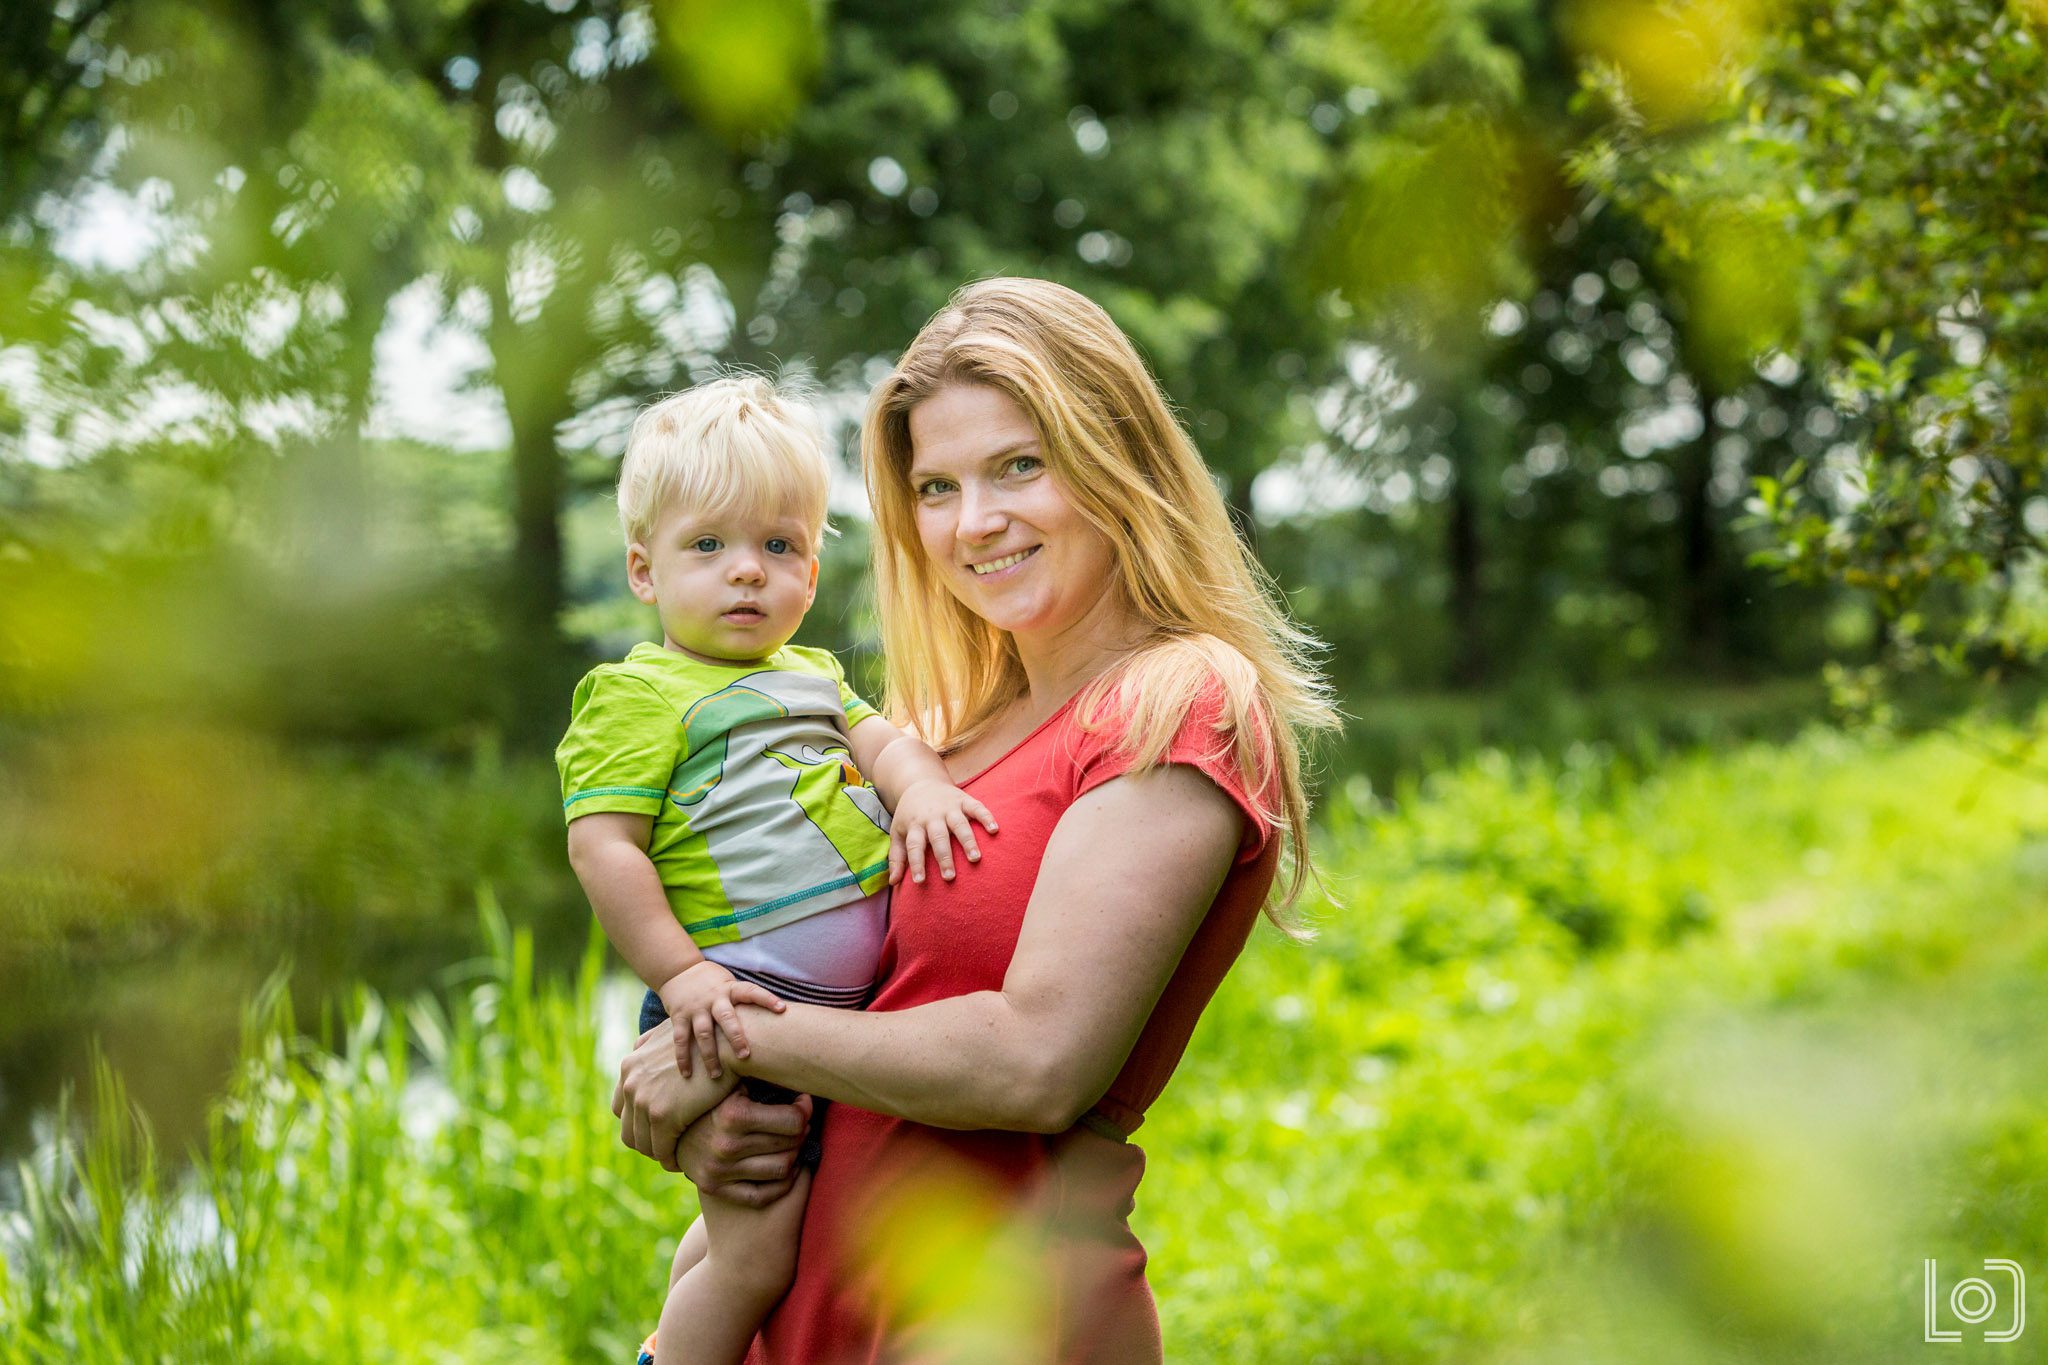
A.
x: 656, y: 792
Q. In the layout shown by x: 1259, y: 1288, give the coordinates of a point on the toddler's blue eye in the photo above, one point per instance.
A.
x: 778, y: 546
x: 708, y: 544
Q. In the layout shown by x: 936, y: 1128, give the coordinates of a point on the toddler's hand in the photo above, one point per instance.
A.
x: 931, y: 814
x: 700, y: 1000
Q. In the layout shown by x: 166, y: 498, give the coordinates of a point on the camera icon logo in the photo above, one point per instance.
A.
x: 1974, y: 1301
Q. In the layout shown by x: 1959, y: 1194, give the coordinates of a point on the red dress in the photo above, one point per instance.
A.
x: 896, y: 1207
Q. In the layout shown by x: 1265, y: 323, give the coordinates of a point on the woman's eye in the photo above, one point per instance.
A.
x: 707, y: 544
x: 932, y: 488
x: 1026, y: 464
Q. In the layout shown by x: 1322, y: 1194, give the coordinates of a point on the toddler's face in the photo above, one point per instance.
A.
x: 731, y: 589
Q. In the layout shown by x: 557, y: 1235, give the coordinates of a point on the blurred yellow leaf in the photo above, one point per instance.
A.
x: 1674, y: 56
x: 742, y: 67
x: 1429, y: 231
x: 1744, y: 286
x: 962, y: 1269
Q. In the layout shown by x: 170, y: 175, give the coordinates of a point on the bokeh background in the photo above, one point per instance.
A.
x: 1644, y: 400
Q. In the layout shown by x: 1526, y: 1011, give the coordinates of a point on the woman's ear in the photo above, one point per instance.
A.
x: 640, y: 573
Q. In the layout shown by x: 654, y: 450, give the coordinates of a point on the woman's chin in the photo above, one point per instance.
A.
x: 1013, y: 616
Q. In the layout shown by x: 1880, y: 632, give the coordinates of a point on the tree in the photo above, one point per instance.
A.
x: 1862, y: 190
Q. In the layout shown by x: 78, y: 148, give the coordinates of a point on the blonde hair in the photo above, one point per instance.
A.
x: 737, y: 445
x: 1108, y: 436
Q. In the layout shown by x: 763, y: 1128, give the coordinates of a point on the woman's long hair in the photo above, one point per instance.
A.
x: 1126, y: 464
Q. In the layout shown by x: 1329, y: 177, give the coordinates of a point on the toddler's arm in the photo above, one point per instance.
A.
x: 609, y: 852
x: 927, y: 810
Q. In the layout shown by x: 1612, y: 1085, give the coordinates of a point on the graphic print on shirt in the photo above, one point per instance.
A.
x: 768, y: 784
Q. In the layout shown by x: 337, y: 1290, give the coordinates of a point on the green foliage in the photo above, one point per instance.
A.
x: 1389, y: 736
x: 1339, y: 233
x: 118, y: 841
x: 352, y: 1204
x: 48, y: 134
x: 1452, y: 1099
x: 1445, y: 1131
x: 743, y: 68
x: 1870, y: 204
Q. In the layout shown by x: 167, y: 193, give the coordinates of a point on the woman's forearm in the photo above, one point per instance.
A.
x: 1126, y: 878
x: 962, y: 1062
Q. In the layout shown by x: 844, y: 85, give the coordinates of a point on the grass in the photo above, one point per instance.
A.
x: 119, y: 838
x: 1580, y: 1036
x: 1593, y: 1062
x: 1392, y: 734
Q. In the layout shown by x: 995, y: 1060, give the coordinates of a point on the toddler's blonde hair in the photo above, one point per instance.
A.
x: 737, y: 445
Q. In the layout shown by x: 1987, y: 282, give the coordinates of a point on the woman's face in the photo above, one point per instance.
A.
x: 996, y: 524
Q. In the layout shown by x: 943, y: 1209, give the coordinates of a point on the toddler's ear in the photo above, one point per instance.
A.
x: 640, y: 572
x: 811, y: 593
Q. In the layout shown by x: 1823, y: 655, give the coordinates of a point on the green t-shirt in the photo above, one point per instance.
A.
x: 760, y: 817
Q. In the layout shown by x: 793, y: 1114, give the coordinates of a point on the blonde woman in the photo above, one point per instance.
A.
x: 1071, y: 619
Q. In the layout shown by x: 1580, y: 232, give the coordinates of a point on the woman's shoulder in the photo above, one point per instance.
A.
x: 1182, y: 687
x: 1191, y: 700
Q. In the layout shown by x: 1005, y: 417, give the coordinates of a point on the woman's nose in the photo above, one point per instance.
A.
x: 981, y: 516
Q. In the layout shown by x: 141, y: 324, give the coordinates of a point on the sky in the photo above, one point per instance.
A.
x: 424, y: 361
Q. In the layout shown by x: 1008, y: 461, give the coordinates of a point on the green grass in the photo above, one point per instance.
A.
x: 1391, y: 734
x: 1447, y: 1126
x: 1591, y: 1063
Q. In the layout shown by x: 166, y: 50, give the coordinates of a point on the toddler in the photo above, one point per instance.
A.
x: 717, y: 792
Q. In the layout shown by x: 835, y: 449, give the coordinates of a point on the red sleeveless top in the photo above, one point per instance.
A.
x: 915, y: 1236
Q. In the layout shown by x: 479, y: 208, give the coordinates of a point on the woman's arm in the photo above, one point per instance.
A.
x: 1127, y: 876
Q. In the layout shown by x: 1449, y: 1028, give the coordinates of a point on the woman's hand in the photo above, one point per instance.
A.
x: 744, y: 1151
x: 655, y: 1101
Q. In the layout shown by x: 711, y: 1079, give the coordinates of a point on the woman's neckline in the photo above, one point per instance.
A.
x: 1011, y: 752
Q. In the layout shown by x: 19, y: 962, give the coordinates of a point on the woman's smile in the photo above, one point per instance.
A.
x: 994, y: 570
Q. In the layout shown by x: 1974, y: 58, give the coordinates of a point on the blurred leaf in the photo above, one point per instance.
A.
x: 742, y: 65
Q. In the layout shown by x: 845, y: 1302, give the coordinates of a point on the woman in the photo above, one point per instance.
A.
x: 1065, y: 604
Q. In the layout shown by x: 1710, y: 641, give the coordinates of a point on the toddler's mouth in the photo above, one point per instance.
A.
x: 746, y: 616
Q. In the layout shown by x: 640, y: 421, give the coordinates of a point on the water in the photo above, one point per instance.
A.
x: 170, y: 1020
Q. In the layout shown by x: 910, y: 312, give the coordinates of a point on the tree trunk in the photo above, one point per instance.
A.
x: 1464, y: 550
x: 537, y: 654
x: 1702, y: 601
